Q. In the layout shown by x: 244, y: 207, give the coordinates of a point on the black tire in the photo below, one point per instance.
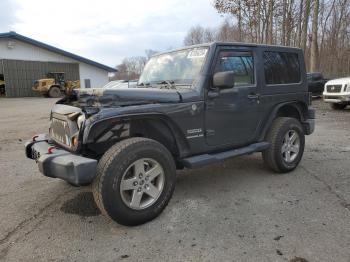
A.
x: 111, y: 168
x: 337, y: 106
x: 54, y: 92
x: 273, y: 156
x: 73, y: 185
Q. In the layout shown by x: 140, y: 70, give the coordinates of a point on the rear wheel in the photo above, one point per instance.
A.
x: 136, y: 179
x: 337, y: 106
x: 287, y: 141
x: 54, y: 92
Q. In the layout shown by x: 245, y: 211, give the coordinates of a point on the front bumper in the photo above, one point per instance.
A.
x: 60, y: 163
x: 336, y: 98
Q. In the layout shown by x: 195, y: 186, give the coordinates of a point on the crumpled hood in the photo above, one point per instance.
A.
x: 126, y: 96
x: 131, y: 96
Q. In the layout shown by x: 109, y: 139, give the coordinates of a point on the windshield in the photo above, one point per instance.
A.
x: 180, y: 67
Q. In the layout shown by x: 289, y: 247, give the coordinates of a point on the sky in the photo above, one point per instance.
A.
x: 107, y: 30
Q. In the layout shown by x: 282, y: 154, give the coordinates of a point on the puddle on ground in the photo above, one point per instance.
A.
x: 82, y: 205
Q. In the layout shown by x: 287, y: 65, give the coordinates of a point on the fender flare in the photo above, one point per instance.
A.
x: 272, y: 116
x: 180, y: 140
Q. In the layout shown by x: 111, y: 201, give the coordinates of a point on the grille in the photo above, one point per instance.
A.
x: 332, y: 97
x: 35, y: 154
x: 59, y: 131
x: 334, y: 88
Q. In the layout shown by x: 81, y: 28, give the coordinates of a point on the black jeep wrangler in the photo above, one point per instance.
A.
x: 192, y: 107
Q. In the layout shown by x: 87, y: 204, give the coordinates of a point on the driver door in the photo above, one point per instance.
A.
x: 232, y: 115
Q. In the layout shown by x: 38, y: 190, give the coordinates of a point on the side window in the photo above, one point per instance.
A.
x: 281, y: 68
x: 241, y: 63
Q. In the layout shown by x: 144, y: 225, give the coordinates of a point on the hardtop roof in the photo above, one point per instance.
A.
x: 237, y: 44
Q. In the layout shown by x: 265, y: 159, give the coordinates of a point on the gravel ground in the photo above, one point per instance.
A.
x: 236, y: 210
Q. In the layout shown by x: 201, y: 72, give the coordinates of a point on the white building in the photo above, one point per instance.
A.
x: 24, y: 60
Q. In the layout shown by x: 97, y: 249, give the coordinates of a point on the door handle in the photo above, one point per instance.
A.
x: 254, y: 96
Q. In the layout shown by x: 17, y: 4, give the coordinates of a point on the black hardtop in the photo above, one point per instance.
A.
x: 215, y: 44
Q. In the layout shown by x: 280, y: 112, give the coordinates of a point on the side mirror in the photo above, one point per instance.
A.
x: 223, y: 80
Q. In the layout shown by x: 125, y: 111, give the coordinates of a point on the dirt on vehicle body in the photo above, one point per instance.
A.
x: 192, y: 107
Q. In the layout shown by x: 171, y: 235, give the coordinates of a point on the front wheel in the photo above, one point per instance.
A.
x: 287, y: 141
x: 136, y: 179
x: 54, y: 92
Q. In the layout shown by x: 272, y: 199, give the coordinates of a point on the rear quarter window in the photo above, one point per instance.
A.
x: 281, y: 68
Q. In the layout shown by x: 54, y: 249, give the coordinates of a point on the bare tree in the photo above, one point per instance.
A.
x: 198, y: 35
x: 306, y: 15
x: 235, y: 8
x: 130, y: 68
x: 300, y: 19
x: 323, y: 34
x: 287, y: 22
x: 314, y: 44
x: 269, y: 28
x: 227, y: 32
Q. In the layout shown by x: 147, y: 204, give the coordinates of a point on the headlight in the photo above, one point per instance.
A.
x: 80, y: 121
x: 347, y: 88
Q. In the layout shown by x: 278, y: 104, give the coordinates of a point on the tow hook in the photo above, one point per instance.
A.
x: 50, y: 149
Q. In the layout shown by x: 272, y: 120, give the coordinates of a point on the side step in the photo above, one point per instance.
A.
x: 201, y: 160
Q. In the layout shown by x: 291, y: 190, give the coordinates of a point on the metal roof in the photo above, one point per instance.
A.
x: 14, y: 35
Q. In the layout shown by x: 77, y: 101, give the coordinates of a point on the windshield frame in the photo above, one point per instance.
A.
x: 179, y: 82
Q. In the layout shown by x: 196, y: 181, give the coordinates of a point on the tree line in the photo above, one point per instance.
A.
x: 320, y: 27
x: 131, y: 67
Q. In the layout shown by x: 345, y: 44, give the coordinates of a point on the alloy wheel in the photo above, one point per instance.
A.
x: 290, y: 146
x: 142, y: 183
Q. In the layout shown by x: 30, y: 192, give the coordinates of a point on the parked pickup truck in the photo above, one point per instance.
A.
x: 192, y: 107
x: 337, y: 93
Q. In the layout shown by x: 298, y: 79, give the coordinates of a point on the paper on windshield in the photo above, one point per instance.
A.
x: 197, y: 53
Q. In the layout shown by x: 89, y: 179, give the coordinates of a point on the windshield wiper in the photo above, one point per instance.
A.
x: 168, y: 83
x: 144, y: 84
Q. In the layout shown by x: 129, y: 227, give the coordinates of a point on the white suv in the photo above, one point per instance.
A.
x: 337, y: 92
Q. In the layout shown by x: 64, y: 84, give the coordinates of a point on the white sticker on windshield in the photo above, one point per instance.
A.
x: 197, y: 53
